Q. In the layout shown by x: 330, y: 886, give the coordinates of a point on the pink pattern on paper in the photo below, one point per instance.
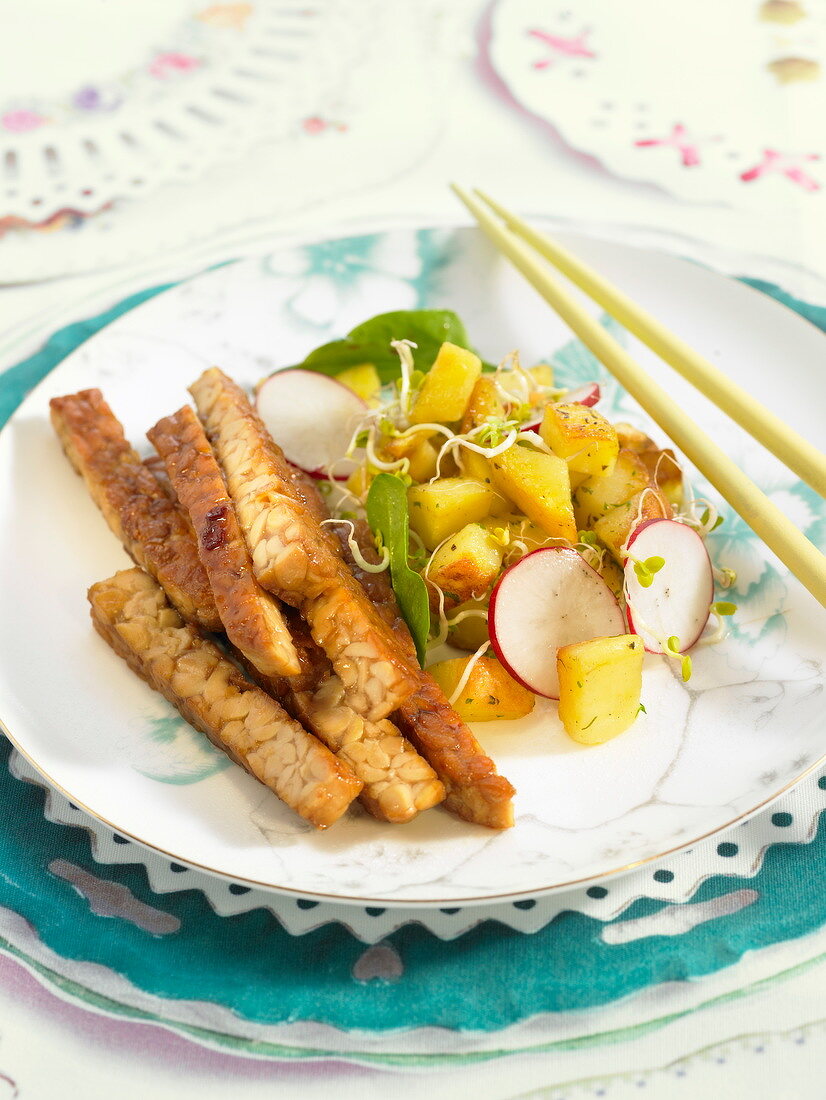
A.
x: 21, y: 121
x: 787, y: 165
x: 165, y: 64
x: 679, y: 139
x: 562, y: 47
x: 317, y: 125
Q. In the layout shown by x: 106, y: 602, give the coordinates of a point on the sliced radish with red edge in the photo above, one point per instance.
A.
x: 549, y: 598
x: 583, y: 395
x: 312, y: 418
x: 677, y: 602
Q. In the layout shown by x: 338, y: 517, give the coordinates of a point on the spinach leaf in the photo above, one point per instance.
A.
x: 369, y: 342
x: 387, y: 516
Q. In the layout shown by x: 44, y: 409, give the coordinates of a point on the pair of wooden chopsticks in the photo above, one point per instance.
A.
x: 517, y: 240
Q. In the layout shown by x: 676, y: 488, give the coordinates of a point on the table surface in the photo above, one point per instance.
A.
x: 755, y: 1028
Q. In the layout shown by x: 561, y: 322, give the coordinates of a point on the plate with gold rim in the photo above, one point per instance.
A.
x: 707, y: 753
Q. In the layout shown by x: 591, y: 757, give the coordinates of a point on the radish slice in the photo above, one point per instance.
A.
x: 677, y: 602
x: 548, y: 599
x: 583, y: 395
x: 312, y: 418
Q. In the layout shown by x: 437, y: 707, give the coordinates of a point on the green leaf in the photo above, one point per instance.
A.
x: 369, y: 342
x: 654, y: 564
x: 723, y: 607
x: 387, y: 516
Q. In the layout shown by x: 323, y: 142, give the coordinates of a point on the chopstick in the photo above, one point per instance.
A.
x: 760, y: 422
x: 801, y: 557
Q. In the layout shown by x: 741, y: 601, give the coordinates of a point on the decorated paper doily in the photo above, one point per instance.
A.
x: 100, y: 102
x: 739, y: 852
x: 711, y: 101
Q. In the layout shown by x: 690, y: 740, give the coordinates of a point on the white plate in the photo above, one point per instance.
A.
x: 708, y: 753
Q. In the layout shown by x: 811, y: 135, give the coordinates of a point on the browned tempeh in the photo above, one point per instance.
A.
x: 132, y: 614
x: 134, y: 504
x: 293, y: 557
x: 251, y: 617
x: 398, y: 782
x: 475, y: 791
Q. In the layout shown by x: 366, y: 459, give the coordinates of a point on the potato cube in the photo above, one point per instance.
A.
x: 439, y: 508
x: 618, y: 523
x: 599, y: 495
x: 466, y: 566
x: 543, y: 374
x: 632, y: 439
x: 520, y: 529
x: 665, y: 473
x: 484, y: 404
x: 582, y: 436
x: 471, y: 632
x: 539, y: 486
x: 600, y: 682
x: 359, y: 481
x: 489, y: 692
x: 419, y: 451
x: 447, y: 386
x: 362, y: 379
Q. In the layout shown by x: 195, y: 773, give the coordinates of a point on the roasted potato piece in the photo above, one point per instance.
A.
x: 582, y: 436
x: 632, y: 439
x: 484, y: 404
x: 489, y: 692
x: 417, y: 449
x: 447, y: 386
x: 466, y: 565
x: 362, y: 379
x: 543, y: 373
x: 665, y: 473
x: 613, y: 576
x: 440, y: 508
x: 539, y: 486
x: 617, y: 524
x: 599, y: 495
x: 471, y: 632
x: 600, y: 682
x: 520, y: 529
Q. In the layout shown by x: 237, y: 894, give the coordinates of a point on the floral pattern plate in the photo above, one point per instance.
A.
x: 707, y: 754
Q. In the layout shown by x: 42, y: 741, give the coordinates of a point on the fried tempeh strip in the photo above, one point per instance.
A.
x: 131, y: 613
x: 475, y: 791
x: 293, y: 556
x: 134, y: 504
x: 251, y: 617
x: 398, y: 782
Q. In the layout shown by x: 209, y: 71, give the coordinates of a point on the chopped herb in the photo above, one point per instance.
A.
x: 641, y: 708
x: 591, y: 722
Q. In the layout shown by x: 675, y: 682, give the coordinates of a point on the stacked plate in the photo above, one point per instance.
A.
x: 707, y: 755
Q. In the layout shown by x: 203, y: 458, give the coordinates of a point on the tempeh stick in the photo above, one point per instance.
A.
x: 293, y: 556
x: 398, y: 782
x: 134, y: 503
x: 132, y: 614
x: 251, y: 617
x: 475, y: 791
